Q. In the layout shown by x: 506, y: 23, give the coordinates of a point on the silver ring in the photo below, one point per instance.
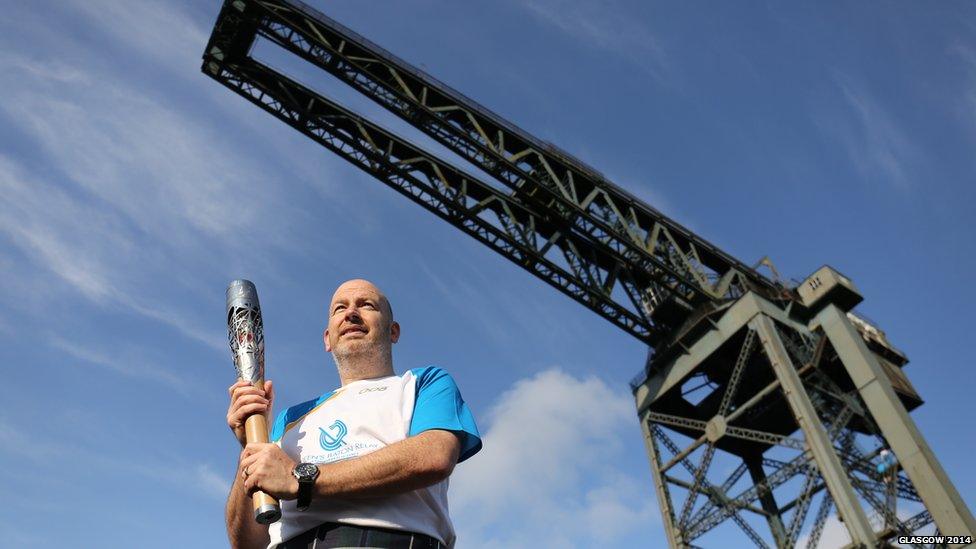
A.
x: 246, y: 472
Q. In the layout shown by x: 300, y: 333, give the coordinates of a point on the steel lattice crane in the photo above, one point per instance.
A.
x: 785, y: 381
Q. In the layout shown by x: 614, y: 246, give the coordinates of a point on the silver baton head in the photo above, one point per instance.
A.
x: 245, y: 330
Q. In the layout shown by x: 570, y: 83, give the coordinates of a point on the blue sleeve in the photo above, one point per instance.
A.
x: 438, y: 405
x: 290, y: 415
x: 278, y: 429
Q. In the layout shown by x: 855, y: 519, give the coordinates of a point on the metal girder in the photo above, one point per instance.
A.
x: 710, y: 505
x: 699, y: 478
x: 803, y: 505
x: 831, y: 411
x: 920, y: 520
x: 478, y: 209
x: 749, y: 495
x: 820, y: 521
x: 883, y: 506
x: 743, y: 433
x: 618, y: 239
x: 487, y: 140
x: 768, y: 501
x: 880, y: 507
x: 899, y: 430
x: 715, y: 494
x: 854, y: 462
x: 820, y: 444
x: 763, y: 436
x: 660, y: 483
x: 732, y: 385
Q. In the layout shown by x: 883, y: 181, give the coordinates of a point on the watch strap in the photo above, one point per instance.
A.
x: 306, y: 482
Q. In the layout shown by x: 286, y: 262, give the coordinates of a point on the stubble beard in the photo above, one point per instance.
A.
x: 360, y: 359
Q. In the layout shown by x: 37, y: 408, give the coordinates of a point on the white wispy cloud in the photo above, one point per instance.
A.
x: 135, y: 195
x: 465, y: 297
x: 41, y: 449
x: 464, y: 290
x: 89, y: 249
x: 52, y: 71
x: 168, y: 174
x: 123, y: 361
x: 967, y: 56
x: 155, y: 30
x: 874, y: 140
x: 211, y: 481
x: 546, y: 475
x: 605, y: 25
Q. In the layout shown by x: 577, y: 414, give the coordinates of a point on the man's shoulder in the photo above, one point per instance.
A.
x: 439, y: 405
x: 294, y: 413
x: 428, y: 373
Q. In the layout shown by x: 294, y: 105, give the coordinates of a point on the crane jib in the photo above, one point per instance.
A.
x: 552, y: 214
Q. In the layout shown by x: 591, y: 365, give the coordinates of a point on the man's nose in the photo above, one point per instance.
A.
x: 352, y: 313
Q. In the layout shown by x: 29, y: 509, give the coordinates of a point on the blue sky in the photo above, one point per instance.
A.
x: 134, y: 189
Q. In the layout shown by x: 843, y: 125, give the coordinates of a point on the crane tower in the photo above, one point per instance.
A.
x: 801, y: 400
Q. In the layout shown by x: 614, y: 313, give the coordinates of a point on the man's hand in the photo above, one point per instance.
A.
x: 245, y: 400
x: 268, y: 468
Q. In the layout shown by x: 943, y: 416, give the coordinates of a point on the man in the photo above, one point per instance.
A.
x: 365, y: 465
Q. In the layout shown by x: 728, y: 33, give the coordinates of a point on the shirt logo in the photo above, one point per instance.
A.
x: 328, y: 440
x: 372, y: 390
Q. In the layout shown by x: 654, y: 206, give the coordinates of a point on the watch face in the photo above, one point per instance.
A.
x: 306, y: 471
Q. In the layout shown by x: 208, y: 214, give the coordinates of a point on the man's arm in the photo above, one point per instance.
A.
x: 416, y: 462
x: 242, y: 530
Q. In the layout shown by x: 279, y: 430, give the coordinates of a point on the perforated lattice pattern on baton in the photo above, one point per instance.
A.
x: 245, y: 332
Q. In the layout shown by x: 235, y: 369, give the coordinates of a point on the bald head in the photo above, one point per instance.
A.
x: 359, y: 285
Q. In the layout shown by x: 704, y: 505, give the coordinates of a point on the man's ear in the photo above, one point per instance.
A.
x: 394, y: 331
x: 325, y: 340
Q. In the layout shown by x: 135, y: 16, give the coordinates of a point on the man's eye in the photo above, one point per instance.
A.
x: 338, y: 308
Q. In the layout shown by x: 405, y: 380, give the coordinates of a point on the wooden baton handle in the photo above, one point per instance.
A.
x: 266, y: 508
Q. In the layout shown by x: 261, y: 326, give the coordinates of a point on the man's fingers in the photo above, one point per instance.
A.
x: 242, y: 413
x: 250, y: 399
x: 239, y: 383
x: 245, y: 406
x: 250, y: 455
x: 242, y: 390
x: 254, y: 447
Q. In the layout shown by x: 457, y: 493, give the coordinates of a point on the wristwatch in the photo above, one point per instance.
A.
x: 306, y: 473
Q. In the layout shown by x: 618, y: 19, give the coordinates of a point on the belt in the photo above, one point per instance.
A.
x: 333, y: 535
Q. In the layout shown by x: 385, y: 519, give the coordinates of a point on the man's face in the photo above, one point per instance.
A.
x: 360, y: 319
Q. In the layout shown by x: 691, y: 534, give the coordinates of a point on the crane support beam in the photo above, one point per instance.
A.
x: 821, y: 446
x: 929, y: 479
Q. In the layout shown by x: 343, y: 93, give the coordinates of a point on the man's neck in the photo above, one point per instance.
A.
x: 359, y: 368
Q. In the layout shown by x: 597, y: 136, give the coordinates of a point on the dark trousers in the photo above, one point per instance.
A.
x: 332, y: 535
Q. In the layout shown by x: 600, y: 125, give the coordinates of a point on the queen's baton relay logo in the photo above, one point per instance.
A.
x: 329, y: 441
x: 332, y: 439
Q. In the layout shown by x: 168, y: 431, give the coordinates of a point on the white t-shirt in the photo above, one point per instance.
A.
x: 362, y: 417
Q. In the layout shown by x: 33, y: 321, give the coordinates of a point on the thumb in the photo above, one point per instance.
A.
x: 269, y: 390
